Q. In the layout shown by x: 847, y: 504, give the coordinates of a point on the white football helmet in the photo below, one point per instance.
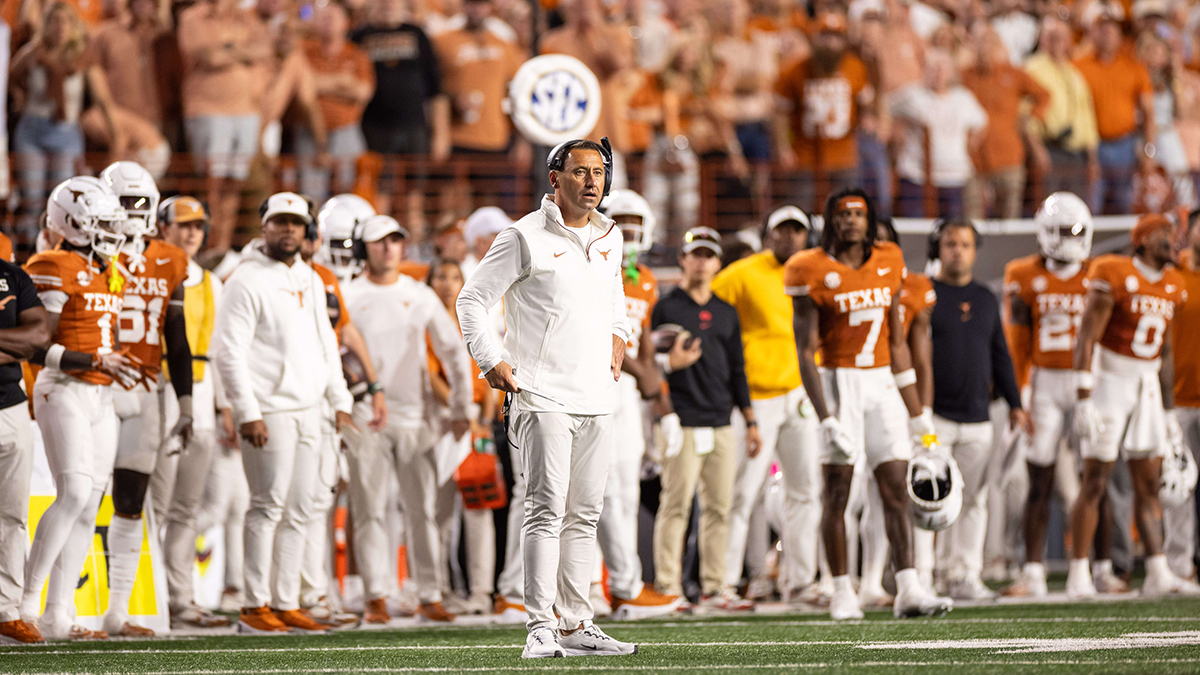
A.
x: 337, y: 220
x: 935, y: 489
x: 135, y: 187
x: 630, y: 203
x: 1064, y: 228
x: 84, y: 212
x: 1178, y: 478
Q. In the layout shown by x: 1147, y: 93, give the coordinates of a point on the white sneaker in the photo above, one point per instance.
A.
x: 874, y: 598
x: 1080, y: 586
x: 1169, y: 585
x: 195, y: 616
x: 843, y: 606
x: 600, y: 604
x: 971, y: 589
x: 923, y: 603
x: 542, y: 643
x: 589, y: 640
x: 760, y: 588
x: 231, y: 601
x: 1027, y: 586
x: 726, y: 601
x: 478, y: 603
x: 1107, y: 582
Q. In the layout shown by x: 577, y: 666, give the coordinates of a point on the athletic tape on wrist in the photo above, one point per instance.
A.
x: 1084, y: 379
x: 905, y: 378
x: 54, y: 356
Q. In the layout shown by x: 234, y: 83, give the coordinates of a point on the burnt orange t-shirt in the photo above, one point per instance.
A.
x: 1186, y: 327
x: 1142, y: 310
x: 640, y: 298
x: 340, y: 112
x: 1116, y: 87
x: 650, y: 95
x: 1001, y: 92
x: 824, y: 112
x: 88, y: 322
x: 1055, y: 309
x: 339, y: 316
x: 476, y: 67
x: 148, y: 288
x: 414, y: 269
x: 852, y: 303
x: 916, y: 295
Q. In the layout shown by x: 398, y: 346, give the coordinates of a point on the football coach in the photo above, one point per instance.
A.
x: 558, y: 270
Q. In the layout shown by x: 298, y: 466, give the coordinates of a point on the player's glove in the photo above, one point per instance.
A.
x: 1086, y: 420
x: 922, y: 429
x: 183, y: 427
x: 672, y: 432
x: 833, y: 434
x: 120, y: 366
x: 1174, y: 431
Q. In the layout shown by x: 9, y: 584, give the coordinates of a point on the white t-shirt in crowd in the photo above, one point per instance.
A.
x: 953, y: 114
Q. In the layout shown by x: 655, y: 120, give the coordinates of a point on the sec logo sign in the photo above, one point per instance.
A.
x: 554, y: 98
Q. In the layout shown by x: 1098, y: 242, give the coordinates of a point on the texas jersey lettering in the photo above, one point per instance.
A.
x: 148, y: 288
x: 852, y: 303
x: 89, y: 310
x: 916, y: 295
x: 640, y: 297
x: 1142, y: 310
x: 1055, y: 308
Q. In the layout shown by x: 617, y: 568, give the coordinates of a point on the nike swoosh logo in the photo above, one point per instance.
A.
x: 591, y: 647
x: 161, y: 261
x: 883, y: 271
x: 558, y: 254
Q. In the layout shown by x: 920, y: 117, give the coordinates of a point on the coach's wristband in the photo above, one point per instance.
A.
x: 1084, y: 379
x: 374, y: 388
x: 905, y: 378
x: 54, y: 356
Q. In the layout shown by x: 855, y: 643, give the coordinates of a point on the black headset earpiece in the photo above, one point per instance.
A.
x: 933, y: 245
x: 557, y: 159
x: 313, y: 231
x: 358, y: 247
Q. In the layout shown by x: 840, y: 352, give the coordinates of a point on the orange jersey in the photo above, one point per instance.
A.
x: 88, y: 318
x: 825, y: 111
x: 916, y: 296
x: 1186, y: 326
x: 1142, y: 310
x: 148, y: 289
x: 6, y: 248
x: 339, y: 316
x: 640, y: 299
x: 853, y: 303
x: 1055, y: 308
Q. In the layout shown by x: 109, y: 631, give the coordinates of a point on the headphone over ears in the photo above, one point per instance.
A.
x: 312, y: 232
x: 358, y: 247
x: 165, y: 205
x: 557, y: 159
x: 933, y: 245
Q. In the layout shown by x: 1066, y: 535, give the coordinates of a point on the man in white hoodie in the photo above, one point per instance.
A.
x: 277, y: 357
x: 559, y: 272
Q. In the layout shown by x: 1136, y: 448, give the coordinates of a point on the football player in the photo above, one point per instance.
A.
x: 1125, y: 407
x: 83, y: 290
x: 846, y: 299
x: 617, y: 530
x: 1180, y: 522
x: 338, y: 219
x: 152, y: 318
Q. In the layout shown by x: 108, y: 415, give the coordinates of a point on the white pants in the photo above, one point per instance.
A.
x: 1053, y: 401
x: 1179, y: 523
x: 1129, y: 400
x: 790, y: 438
x: 144, y: 423
x: 511, y: 583
x: 282, y: 476
x: 226, y: 501
x: 566, y: 460
x: 872, y: 415
x: 16, y: 467
x: 960, y: 547
x: 179, y: 543
x: 79, y: 430
x: 617, y: 530
x: 409, y: 452
x: 318, y: 566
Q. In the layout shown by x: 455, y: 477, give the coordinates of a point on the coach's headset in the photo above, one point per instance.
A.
x: 557, y: 159
x: 165, y: 206
x: 933, y: 245
x: 311, y: 232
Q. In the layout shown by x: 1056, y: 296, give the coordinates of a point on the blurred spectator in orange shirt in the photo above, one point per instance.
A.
x: 124, y: 47
x: 784, y: 24
x: 819, y: 104
x: 345, y: 81
x: 224, y: 49
x: 1121, y: 90
x: 1000, y: 162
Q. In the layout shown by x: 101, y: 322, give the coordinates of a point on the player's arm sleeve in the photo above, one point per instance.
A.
x: 179, y: 352
x: 620, y: 315
x: 337, y: 394
x: 233, y: 335
x: 450, y: 350
x: 1003, y: 377
x: 505, y: 264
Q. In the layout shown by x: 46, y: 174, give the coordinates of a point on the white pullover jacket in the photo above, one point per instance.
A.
x: 272, y: 342
x: 563, y: 303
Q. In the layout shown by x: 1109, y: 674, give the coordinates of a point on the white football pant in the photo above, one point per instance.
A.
x: 226, y: 501
x: 617, y: 530
x: 192, y: 469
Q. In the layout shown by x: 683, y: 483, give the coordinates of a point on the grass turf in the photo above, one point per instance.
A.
x: 1133, y: 637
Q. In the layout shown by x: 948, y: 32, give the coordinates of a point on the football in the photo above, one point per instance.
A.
x: 355, y: 374
x: 665, y: 335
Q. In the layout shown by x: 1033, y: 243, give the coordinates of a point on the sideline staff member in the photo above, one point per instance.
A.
x: 559, y: 271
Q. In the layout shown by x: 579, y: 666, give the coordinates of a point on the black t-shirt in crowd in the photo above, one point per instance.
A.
x: 970, y: 354
x: 704, y: 393
x: 17, y: 294
x: 406, y: 74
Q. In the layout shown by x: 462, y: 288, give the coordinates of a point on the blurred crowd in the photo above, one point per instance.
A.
x: 777, y: 98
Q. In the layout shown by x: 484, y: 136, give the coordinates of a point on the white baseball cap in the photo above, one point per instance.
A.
x: 485, y: 222
x: 378, y: 227
x: 784, y: 214
x: 702, y: 237
x: 286, y: 203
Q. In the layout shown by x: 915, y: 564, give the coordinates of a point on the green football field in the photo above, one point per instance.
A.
x: 1104, y: 637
